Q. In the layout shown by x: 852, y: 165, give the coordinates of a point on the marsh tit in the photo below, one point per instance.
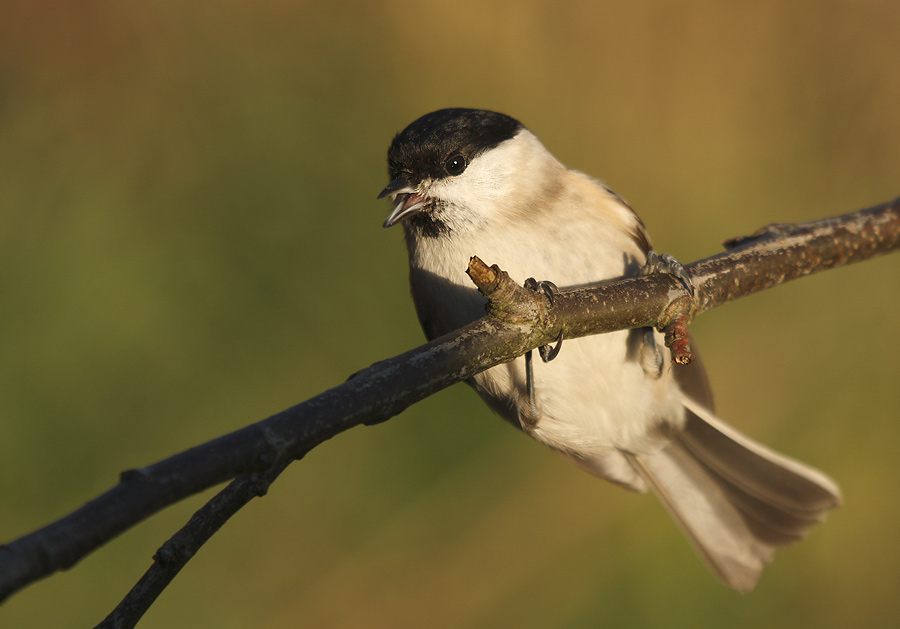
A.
x: 471, y: 182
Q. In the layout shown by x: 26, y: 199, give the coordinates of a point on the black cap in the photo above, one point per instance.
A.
x: 426, y: 146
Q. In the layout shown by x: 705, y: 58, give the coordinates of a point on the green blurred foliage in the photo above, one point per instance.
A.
x: 190, y: 241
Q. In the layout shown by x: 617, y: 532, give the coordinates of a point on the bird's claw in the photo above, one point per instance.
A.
x: 664, y: 263
x: 677, y: 338
x: 530, y: 416
x: 549, y: 353
x: 548, y: 289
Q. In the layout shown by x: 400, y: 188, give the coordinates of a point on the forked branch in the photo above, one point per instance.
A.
x: 518, y: 321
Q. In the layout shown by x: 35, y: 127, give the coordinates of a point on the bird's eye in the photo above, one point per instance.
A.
x: 456, y: 165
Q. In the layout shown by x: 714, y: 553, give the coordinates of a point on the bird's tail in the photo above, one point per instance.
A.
x: 735, y: 499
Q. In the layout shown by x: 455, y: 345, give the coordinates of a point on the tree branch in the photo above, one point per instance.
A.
x: 518, y: 320
x: 181, y: 547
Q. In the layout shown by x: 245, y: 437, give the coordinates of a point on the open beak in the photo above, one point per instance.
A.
x: 408, y: 200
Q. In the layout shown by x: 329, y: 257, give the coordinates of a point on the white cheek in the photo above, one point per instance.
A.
x: 486, y: 186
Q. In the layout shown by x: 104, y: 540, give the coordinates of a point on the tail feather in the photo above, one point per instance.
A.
x: 754, y: 468
x: 702, y: 510
x: 735, y: 500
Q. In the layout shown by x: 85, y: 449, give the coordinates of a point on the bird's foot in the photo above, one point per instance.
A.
x: 531, y: 415
x: 548, y: 289
x: 667, y: 265
x: 677, y: 336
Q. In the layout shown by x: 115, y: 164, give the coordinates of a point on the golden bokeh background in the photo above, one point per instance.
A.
x: 190, y: 241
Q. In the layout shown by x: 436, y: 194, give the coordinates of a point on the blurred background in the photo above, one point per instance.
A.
x: 190, y: 242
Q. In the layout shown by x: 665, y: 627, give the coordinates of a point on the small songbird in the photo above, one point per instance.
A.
x: 472, y: 182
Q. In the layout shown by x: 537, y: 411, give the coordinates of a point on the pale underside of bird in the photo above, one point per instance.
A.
x: 471, y: 182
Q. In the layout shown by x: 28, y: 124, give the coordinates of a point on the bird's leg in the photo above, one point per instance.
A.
x: 532, y: 414
x: 548, y: 289
x: 651, y: 357
x: 547, y: 353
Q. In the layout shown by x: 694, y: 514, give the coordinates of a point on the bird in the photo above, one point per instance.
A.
x: 467, y: 182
